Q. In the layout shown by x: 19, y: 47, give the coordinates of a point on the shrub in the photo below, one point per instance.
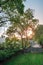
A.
x: 41, y: 40
x: 8, y: 49
x: 6, y: 53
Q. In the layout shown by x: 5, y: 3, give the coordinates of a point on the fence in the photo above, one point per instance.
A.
x: 34, y: 50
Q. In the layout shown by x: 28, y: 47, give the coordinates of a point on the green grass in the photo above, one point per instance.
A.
x: 26, y: 59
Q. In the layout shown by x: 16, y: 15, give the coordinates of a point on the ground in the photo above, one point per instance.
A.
x: 26, y: 59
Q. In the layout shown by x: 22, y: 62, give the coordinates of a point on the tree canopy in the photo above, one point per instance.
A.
x: 12, y: 5
x: 9, y: 8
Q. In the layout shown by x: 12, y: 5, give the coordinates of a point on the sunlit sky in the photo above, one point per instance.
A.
x: 37, y: 5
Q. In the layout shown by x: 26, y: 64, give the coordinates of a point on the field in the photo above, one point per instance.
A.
x: 26, y: 59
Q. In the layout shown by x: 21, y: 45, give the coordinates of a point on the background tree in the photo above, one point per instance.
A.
x: 21, y: 22
x: 39, y: 32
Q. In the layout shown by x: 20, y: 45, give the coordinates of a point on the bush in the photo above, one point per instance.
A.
x: 41, y: 40
x: 6, y: 53
x: 8, y: 49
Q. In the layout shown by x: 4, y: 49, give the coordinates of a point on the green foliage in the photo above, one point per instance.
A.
x: 41, y: 40
x: 8, y: 49
x: 9, y: 7
x: 21, y: 22
x: 6, y: 53
x: 12, y: 5
x: 39, y: 32
x: 29, y: 14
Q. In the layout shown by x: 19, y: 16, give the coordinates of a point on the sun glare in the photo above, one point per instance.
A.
x: 29, y: 31
x: 17, y: 35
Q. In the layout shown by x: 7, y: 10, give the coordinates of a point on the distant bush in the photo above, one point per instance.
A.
x: 41, y: 40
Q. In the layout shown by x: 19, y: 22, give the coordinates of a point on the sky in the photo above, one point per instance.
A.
x: 37, y: 6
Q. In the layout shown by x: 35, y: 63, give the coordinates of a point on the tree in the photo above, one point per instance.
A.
x: 29, y: 20
x: 41, y: 40
x: 23, y: 22
x: 39, y: 32
x: 9, y: 7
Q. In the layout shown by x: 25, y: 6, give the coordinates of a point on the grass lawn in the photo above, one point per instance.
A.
x: 26, y: 59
